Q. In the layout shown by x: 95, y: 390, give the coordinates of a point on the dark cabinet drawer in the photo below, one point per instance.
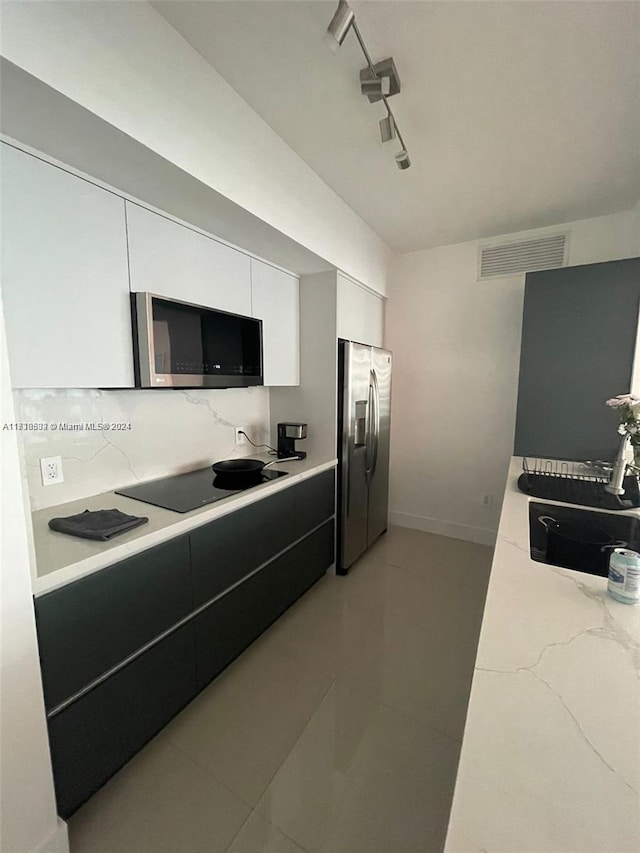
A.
x: 93, y: 624
x: 227, y: 550
x: 314, y: 501
x: 292, y: 574
x: 229, y: 625
x: 92, y: 738
x: 313, y: 556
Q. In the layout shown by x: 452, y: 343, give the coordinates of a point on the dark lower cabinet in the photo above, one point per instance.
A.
x: 314, y: 501
x: 230, y: 624
x: 90, y: 625
x: 93, y: 625
x: 301, y: 567
x: 92, y: 738
x: 233, y: 622
x: 228, y: 549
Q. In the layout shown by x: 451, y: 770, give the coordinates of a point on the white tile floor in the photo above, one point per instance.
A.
x: 338, y: 731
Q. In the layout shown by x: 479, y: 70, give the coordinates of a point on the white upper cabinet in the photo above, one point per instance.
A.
x: 360, y: 313
x: 65, y: 285
x: 175, y: 261
x: 276, y: 301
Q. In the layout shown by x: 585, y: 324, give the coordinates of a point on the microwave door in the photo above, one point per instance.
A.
x: 169, y: 343
x: 161, y: 347
x: 177, y: 344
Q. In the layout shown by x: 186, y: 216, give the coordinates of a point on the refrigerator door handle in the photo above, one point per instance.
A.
x: 368, y: 446
x: 376, y: 420
x: 373, y: 427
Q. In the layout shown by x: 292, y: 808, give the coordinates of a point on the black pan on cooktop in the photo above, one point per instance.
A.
x: 185, y: 492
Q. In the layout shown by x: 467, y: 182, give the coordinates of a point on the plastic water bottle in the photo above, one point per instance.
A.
x: 624, y: 575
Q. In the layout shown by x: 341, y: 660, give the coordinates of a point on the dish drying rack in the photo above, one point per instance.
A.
x: 576, y: 483
x: 593, y: 472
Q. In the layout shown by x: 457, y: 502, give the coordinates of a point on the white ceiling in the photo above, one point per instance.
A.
x: 516, y: 115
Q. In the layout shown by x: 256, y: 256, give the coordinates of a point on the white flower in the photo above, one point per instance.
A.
x: 624, y: 400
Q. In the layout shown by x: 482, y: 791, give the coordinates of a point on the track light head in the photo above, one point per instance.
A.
x: 384, y: 71
x: 402, y: 159
x: 373, y: 87
x: 387, y: 128
x: 339, y: 26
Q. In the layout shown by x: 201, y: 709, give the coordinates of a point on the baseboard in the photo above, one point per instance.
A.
x: 57, y: 842
x: 453, y: 529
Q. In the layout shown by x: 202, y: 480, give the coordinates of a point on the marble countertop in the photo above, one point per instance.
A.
x: 61, y: 558
x: 550, y: 758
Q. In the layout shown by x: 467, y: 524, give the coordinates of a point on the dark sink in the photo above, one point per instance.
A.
x: 624, y: 528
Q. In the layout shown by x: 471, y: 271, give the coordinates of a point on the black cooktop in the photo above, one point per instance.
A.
x: 185, y: 492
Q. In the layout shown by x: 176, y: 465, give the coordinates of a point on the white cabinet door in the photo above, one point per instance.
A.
x: 174, y: 261
x: 65, y: 283
x: 276, y: 301
x: 360, y: 314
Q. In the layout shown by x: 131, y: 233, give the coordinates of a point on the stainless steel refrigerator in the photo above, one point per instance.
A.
x: 364, y: 415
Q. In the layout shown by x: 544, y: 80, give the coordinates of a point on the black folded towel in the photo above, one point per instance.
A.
x: 101, y: 524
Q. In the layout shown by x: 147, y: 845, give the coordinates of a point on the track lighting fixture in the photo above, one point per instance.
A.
x: 377, y: 82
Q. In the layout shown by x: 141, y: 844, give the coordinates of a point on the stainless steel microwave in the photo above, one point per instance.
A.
x: 180, y: 345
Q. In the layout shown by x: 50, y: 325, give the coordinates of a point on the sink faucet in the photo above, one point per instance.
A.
x: 614, y: 486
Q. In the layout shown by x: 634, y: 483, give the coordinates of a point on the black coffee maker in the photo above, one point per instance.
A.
x: 288, y: 434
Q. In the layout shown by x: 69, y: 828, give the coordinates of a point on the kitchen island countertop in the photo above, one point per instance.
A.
x: 61, y: 558
x: 550, y: 759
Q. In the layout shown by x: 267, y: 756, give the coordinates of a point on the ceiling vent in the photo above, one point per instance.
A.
x: 543, y: 253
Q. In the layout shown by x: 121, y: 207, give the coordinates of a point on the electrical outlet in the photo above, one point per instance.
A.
x: 51, y: 470
x: 486, y: 499
x: 240, y: 436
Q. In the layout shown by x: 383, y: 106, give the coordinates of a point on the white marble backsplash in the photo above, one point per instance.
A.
x: 170, y: 432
